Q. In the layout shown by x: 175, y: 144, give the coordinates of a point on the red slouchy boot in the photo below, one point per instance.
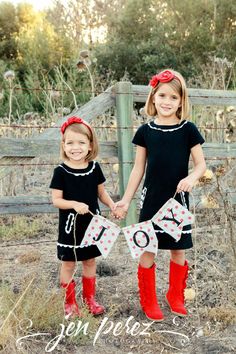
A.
x: 71, y: 308
x: 177, y: 283
x: 147, y: 293
x: 89, y: 290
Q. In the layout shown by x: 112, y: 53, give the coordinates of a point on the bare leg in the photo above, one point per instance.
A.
x: 89, y: 268
x: 67, y: 271
x: 147, y: 259
x: 178, y: 256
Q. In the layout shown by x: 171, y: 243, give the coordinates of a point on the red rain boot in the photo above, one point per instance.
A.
x: 147, y: 292
x: 71, y: 308
x: 89, y: 294
x: 177, y: 283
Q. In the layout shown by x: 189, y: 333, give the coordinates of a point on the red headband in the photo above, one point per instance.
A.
x: 73, y: 120
x: 164, y: 76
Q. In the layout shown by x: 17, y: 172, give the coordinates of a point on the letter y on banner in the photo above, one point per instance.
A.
x: 172, y: 217
x: 141, y: 237
x: 102, y: 233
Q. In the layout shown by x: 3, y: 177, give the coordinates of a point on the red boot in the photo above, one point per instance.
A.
x: 177, y: 283
x: 71, y: 308
x: 89, y: 294
x: 147, y: 292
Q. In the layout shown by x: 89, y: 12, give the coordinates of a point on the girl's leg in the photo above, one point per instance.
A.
x: 147, y: 287
x: 71, y: 308
x: 147, y: 259
x: 67, y: 271
x: 177, y: 282
x: 89, y: 286
x: 178, y: 256
x: 89, y: 268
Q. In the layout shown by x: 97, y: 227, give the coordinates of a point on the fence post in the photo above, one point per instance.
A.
x: 124, y: 112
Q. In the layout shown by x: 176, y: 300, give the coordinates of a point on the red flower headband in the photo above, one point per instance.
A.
x: 165, y: 76
x: 73, y: 120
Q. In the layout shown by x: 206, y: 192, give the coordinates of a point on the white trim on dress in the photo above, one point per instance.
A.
x: 166, y: 130
x: 80, y: 174
x: 183, y: 232
x: 70, y: 246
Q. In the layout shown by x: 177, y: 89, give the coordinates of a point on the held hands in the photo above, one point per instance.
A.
x: 186, y: 184
x: 81, y: 208
x: 120, y: 209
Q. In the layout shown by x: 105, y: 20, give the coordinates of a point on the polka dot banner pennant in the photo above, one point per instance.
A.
x: 102, y: 233
x: 141, y: 237
x: 172, y: 217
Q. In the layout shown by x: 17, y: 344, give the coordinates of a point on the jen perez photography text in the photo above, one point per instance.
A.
x: 125, y: 332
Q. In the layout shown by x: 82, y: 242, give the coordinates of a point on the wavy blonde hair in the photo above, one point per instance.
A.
x: 178, y: 84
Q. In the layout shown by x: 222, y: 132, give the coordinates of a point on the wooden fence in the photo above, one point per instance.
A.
x: 122, y: 97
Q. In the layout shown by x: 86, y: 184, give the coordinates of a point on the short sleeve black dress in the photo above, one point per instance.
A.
x: 80, y: 185
x: 168, y: 151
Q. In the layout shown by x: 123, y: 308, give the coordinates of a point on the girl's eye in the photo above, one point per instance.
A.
x: 174, y: 97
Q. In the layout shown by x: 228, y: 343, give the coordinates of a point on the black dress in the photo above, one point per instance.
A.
x: 168, y: 151
x: 80, y: 185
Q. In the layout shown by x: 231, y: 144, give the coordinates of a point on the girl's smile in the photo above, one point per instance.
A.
x: 76, y: 147
x: 167, y: 101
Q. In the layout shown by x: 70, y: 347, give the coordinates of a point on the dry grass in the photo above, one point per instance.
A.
x: 28, y: 257
x: 35, y: 308
x: 223, y: 314
x: 19, y: 228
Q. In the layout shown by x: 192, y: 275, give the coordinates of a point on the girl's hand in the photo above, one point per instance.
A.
x: 81, y: 208
x: 185, y: 185
x: 120, y: 209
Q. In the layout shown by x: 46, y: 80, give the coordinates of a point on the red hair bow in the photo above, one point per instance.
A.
x: 73, y: 120
x: 165, y: 76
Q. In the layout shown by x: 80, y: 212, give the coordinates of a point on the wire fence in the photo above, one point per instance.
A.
x: 105, y: 125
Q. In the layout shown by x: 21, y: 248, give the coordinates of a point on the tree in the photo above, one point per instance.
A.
x: 9, y: 27
x: 145, y: 36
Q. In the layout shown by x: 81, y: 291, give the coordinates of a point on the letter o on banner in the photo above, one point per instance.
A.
x: 146, y: 237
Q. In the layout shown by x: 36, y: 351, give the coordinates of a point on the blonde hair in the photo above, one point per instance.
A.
x: 178, y: 84
x: 81, y: 129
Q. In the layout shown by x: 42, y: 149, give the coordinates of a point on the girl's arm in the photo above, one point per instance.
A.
x: 104, y: 196
x: 61, y: 203
x: 187, y: 183
x: 135, y: 178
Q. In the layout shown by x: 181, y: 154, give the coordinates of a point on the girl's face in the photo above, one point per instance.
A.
x: 167, y: 101
x: 76, y: 146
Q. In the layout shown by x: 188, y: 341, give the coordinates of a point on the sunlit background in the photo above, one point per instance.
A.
x: 37, y: 4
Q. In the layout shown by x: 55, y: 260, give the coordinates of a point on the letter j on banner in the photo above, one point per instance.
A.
x: 102, y: 233
x: 141, y: 237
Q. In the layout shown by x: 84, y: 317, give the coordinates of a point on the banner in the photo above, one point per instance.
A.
x: 141, y: 237
x: 102, y: 233
x: 172, y: 217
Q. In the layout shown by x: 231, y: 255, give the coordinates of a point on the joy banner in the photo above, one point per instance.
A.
x: 140, y: 237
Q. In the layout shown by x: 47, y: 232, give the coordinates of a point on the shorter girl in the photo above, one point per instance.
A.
x: 76, y: 185
x: 164, y: 146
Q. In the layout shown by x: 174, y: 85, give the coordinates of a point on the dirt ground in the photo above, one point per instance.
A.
x: 209, y: 328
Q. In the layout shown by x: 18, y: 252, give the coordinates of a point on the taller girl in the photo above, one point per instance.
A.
x: 164, y: 146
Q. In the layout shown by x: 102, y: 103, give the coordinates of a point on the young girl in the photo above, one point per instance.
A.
x: 76, y: 185
x: 164, y: 145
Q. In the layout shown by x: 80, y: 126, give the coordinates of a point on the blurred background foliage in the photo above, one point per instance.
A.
x: 125, y: 39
